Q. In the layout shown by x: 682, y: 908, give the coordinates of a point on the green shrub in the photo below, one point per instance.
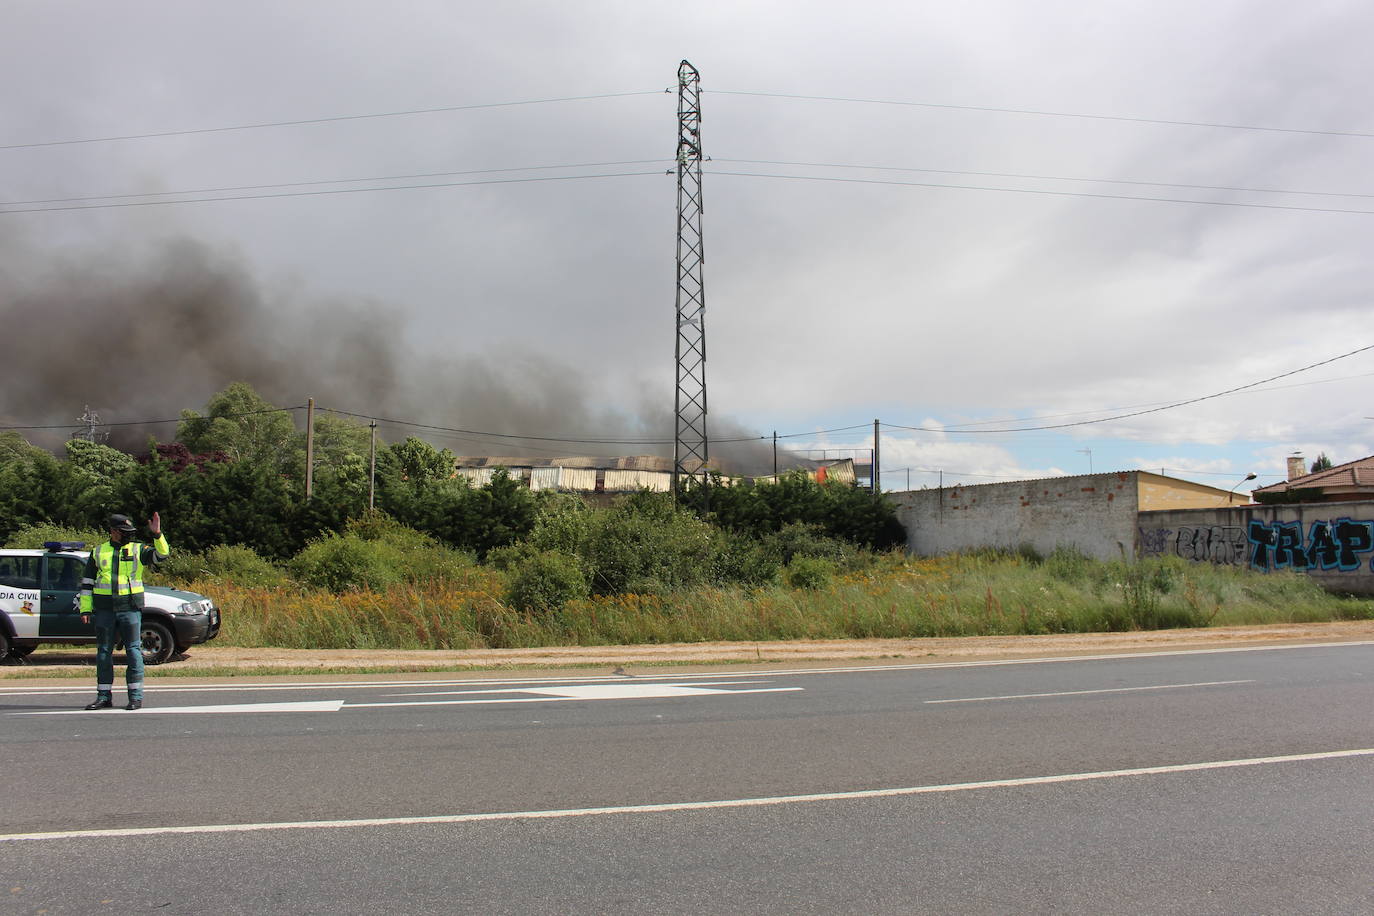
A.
x: 562, y: 522
x: 812, y: 573
x: 1069, y: 564
x: 228, y: 563
x: 628, y: 548
x: 799, y: 539
x: 339, y: 562
x: 545, y: 582
x: 509, y: 559
x: 424, y: 564
x: 742, y: 560
x: 33, y: 537
x: 378, y: 526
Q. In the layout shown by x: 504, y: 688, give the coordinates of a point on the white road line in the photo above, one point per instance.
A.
x: 686, y: 806
x: 1075, y: 693
x: 631, y: 688
x: 305, y: 706
x: 165, y: 686
x: 587, y: 692
x: 570, y: 692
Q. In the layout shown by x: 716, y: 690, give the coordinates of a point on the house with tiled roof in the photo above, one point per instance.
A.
x: 1353, y: 480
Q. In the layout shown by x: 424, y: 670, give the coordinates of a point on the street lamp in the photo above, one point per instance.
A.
x: 1232, y: 491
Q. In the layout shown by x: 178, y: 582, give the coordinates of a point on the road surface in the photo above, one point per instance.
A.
x: 1218, y: 781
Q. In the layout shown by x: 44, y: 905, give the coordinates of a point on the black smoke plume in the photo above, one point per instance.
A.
x: 143, y: 338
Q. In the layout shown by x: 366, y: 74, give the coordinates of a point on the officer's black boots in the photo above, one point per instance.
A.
x: 135, y: 704
x: 102, y: 703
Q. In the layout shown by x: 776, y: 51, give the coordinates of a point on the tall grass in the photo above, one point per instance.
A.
x: 890, y: 596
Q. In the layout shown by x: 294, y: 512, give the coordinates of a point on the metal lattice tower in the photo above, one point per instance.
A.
x: 92, y: 432
x: 690, y: 451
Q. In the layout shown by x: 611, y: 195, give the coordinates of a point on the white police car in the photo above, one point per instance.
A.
x: 38, y: 604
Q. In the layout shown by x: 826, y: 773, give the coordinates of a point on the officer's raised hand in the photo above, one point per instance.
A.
x: 155, y: 525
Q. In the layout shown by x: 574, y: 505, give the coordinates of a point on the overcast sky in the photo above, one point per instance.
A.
x: 1058, y: 276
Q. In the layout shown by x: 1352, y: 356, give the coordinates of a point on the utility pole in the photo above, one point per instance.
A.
x: 876, y: 486
x: 372, y: 468
x: 690, y: 447
x: 309, y: 447
x: 775, y: 456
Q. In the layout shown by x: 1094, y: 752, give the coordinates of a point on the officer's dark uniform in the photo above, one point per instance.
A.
x: 112, y: 591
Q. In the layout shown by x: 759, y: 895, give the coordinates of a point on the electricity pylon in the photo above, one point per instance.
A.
x: 690, y: 446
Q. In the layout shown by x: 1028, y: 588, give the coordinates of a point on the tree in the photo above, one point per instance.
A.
x: 1322, y: 463
x: 44, y: 489
x: 342, y: 445
x: 838, y: 510
x: 100, y: 461
x: 14, y: 447
x: 416, y: 460
x: 243, y: 425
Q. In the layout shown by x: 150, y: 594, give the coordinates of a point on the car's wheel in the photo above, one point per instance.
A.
x: 158, y: 646
x: 4, y: 647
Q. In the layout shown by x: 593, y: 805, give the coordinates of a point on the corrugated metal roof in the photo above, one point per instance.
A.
x: 623, y: 462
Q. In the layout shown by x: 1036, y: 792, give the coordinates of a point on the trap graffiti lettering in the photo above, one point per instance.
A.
x: 1328, y: 546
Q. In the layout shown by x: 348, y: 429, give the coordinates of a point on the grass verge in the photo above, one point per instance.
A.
x: 891, y: 596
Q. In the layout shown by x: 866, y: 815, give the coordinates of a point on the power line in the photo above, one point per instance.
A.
x: 1148, y: 184
x: 614, y: 95
x: 407, y: 187
x: 1079, y: 413
x: 1187, y: 471
x: 296, y: 123
x: 227, y: 416
x: 1139, y: 413
x: 958, y: 187
x: 295, y: 184
x: 488, y: 434
x: 1047, y: 114
x: 639, y: 440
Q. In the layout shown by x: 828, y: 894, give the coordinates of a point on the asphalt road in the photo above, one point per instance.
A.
x: 1196, y: 782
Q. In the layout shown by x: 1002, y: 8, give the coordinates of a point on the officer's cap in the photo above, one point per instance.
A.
x: 122, y: 523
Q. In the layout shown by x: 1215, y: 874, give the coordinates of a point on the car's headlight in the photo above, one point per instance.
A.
x: 191, y: 607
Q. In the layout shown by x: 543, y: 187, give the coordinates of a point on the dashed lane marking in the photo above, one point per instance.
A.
x: 1077, y: 693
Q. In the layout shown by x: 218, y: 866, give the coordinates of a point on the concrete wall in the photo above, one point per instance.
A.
x: 1333, y: 543
x: 1095, y: 513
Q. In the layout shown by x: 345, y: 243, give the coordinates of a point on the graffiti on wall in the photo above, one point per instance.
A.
x: 1332, y: 546
x: 1327, y: 546
x: 1217, y: 543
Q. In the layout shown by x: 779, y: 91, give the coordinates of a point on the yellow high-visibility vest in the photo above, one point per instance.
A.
x: 130, y: 580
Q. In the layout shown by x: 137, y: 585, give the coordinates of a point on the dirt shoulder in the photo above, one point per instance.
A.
x: 224, y: 660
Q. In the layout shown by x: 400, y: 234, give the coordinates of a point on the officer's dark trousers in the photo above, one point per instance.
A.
x: 127, y: 626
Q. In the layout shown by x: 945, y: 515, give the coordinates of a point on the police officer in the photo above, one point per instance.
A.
x: 112, y: 592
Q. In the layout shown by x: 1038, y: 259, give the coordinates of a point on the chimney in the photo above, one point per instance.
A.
x: 1296, y: 467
